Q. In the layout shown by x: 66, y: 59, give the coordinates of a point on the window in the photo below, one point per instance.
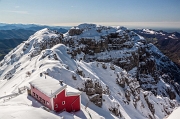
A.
x: 40, y: 98
x: 43, y: 101
x: 56, y: 106
x: 36, y: 95
x: 33, y: 94
x: 63, y: 102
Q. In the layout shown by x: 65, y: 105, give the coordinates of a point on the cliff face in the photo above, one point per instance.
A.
x: 168, y: 43
x: 115, y: 68
x: 125, y: 49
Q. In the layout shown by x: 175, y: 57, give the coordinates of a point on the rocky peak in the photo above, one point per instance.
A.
x: 41, y: 40
x: 126, y: 49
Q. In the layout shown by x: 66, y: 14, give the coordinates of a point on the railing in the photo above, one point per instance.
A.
x: 20, y: 91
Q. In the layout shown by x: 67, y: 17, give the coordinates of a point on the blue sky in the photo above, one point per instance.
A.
x: 155, y: 13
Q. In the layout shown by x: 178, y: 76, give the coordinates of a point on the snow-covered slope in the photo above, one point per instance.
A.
x: 174, y: 115
x: 23, y: 108
x: 114, y: 68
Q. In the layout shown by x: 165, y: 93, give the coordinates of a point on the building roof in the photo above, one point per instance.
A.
x: 70, y: 91
x: 50, y: 86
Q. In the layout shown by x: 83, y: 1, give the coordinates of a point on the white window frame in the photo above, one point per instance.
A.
x: 63, y: 102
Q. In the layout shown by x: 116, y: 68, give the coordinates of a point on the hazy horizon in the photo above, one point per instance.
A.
x: 129, y: 13
x: 129, y: 26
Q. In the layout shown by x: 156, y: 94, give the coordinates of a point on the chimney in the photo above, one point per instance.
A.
x: 61, y: 82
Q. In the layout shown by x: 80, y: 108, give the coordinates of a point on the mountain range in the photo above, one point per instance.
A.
x: 12, y: 35
x: 120, y: 74
x: 34, y: 27
x: 168, y: 43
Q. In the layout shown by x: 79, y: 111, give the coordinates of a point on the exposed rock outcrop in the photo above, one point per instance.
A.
x: 94, y: 91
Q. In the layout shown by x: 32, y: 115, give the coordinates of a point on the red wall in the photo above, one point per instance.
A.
x: 42, y: 95
x: 75, y: 103
x: 72, y: 103
x: 68, y: 102
x: 58, y: 101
